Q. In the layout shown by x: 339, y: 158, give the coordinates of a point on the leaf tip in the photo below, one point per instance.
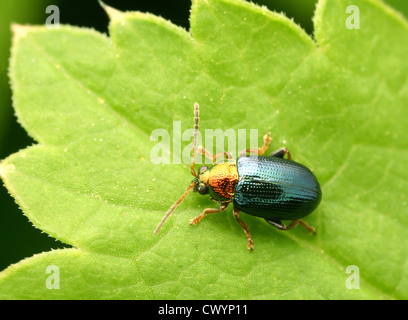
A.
x: 112, y: 13
x: 19, y: 30
x: 6, y: 168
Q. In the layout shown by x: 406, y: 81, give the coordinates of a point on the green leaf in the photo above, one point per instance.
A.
x: 337, y: 102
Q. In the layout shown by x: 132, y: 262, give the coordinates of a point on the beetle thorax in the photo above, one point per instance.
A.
x: 222, y: 179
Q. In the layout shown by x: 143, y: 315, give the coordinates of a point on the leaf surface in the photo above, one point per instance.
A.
x: 92, y: 102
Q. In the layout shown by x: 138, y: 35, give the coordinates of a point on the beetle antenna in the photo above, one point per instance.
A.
x: 174, y: 206
x: 196, y: 119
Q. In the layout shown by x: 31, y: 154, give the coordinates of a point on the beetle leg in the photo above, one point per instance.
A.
x: 280, y: 153
x: 276, y: 223
x: 208, y: 155
x: 309, y: 228
x: 260, y: 151
x: 250, y: 244
x: 279, y: 225
x: 294, y: 223
x: 209, y: 211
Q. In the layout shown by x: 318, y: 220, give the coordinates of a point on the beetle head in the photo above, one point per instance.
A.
x: 201, y: 180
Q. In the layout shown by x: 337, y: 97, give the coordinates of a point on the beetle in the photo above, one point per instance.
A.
x: 271, y: 187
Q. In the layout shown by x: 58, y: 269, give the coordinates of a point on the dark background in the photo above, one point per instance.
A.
x: 18, y: 238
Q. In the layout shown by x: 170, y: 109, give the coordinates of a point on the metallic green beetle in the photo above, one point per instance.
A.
x: 270, y: 187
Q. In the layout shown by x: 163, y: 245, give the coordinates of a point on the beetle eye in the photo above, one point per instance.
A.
x: 202, y: 189
x: 202, y: 169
